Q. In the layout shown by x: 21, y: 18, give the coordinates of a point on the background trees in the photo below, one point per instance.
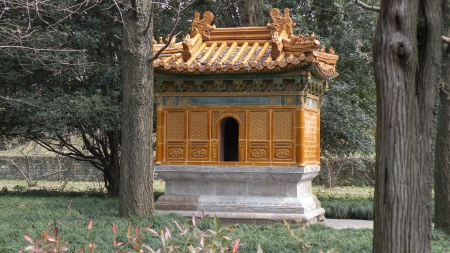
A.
x: 61, y: 79
x: 348, y: 112
x: 62, y: 83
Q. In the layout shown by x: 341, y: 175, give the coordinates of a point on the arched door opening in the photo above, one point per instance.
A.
x: 229, y: 139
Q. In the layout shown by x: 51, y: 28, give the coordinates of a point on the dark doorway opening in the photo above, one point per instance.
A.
x: 229, y: 140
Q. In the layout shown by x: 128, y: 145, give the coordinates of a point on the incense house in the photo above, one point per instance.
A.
x: 238, y: 120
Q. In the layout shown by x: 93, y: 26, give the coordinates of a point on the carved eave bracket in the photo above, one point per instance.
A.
x: 203, y: 26
x: 325, y: 71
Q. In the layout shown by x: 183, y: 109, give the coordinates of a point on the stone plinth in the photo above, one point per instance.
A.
x: 240, y: 193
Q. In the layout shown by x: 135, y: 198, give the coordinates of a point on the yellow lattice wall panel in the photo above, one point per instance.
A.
x: 282, y: 125
x: 198, y: 125
x: 175, y: 125
x: 258, y: 125
x: 311, y: 142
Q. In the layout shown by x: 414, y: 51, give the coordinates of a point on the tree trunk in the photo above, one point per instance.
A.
x: 248, y: 13
x: 406, y: 54
x: 111, y: 184
x: 442, y: 152
x: 114, y: 144
x: 136, y: 177
x: 111, y: 165
x: 442, y: 163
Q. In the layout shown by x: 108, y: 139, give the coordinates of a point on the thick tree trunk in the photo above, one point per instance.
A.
x: 406, y: 63
x: 136, y: 177
x: 442, y: 153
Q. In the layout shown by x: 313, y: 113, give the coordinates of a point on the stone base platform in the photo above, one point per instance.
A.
x: 241, y: 193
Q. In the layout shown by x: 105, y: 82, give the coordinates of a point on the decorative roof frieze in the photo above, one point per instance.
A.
x: 301, y: 85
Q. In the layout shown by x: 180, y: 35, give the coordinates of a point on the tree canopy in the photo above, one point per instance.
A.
x: 62, y: 64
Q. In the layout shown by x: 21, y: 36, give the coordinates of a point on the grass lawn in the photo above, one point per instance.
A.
x: 71, y: 207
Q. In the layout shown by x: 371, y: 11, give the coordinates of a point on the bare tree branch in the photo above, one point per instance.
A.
x: 446, y: 39
x: 366, y: 6
x: 152, y: 58
x: 20, y: 101
x: 42, y: 49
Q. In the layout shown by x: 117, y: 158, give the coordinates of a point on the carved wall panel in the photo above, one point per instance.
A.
x: 176, y: 151
x: 175, y: 125
x: 283, y: 151
x: 282, y: 125
x: 199, y: 151
x: 242, y: 153
x: 258, y: 126
x: 214, y: 151
x: 258, y: 151
x: 199, y: 125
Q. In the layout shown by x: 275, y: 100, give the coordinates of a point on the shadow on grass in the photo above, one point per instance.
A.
x: 58, y: 193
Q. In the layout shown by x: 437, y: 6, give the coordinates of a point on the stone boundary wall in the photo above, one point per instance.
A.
x: 334, y: 171
x: 349, y: 171
x: 62, y: 167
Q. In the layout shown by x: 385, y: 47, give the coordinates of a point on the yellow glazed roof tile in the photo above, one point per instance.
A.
x: 245, y: 49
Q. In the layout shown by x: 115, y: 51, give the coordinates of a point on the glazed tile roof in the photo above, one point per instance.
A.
x: 274, y: 48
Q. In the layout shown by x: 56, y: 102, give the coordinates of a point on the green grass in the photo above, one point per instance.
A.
x: 34, y: 211
x: 346, y: 202
x: 33, y: 214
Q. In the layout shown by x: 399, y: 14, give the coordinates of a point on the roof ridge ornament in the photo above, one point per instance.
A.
x: 280, y: 28
x: 280, y: 23
x: 202, y: 26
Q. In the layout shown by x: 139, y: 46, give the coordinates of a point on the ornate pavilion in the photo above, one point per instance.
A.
x: 238, y: 120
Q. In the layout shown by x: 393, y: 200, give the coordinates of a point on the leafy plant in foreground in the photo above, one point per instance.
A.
x: 194, y: 240
x: 45, y: 243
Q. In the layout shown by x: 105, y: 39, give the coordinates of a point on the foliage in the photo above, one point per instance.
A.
x: 348, y: 113
x: 46, y: 243
x: 62, y: 78
x: 189, y: 238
